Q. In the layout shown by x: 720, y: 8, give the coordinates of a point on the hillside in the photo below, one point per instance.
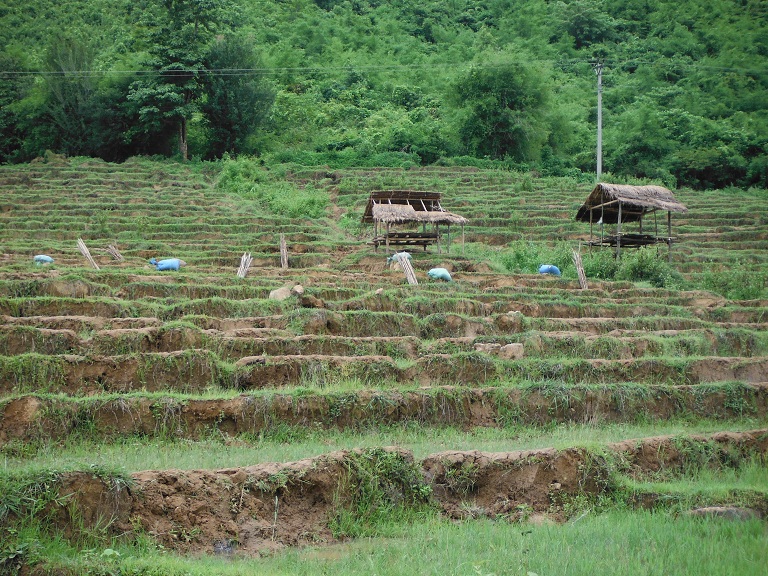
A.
x: 146, y: 414
x: 366, y: 83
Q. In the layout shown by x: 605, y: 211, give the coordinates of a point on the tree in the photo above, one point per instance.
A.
x: 237, y: 98
x: 14, y: 83
x: 70, y: 95
x: 585, y: 21
x: 182, y: 31
x: 505, y: 105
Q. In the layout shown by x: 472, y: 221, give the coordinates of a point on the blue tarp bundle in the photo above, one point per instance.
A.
x: 398, y: 256
x: 43, y: 259
x: 167, y: 264
x: 549, y: 269
x: 440, y: 274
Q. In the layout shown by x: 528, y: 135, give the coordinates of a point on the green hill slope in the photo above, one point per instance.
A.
x: 194, y: 421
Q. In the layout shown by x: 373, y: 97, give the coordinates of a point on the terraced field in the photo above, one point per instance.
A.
x: 194, y: 410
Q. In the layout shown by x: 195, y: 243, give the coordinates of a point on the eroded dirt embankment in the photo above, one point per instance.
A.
x: 253, y: 509
x: 192, y: 371
x: 32, y: 418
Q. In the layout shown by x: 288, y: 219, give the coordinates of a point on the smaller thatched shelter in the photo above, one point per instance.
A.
x: 620, y: 204
x: 387, y: 209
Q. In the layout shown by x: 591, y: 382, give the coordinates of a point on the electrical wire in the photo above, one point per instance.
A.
x: 314, y: 69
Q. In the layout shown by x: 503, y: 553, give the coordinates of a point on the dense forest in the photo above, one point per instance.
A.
x: 511, y: 83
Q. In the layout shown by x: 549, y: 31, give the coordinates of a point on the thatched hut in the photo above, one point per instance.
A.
x: 395, y: 214
x: 621, y: 204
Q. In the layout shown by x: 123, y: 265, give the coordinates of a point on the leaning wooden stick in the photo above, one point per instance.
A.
x: 84, y: 251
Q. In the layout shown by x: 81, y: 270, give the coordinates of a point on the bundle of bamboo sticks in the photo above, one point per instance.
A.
x: 407, y: 268
x: 245, y: 264
x: 115, y: 253
x: 580, y: 269
x: 85, y: 252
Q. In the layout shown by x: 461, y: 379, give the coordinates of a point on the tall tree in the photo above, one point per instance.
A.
x: 70, y: 95
x: 504, y: 101
x: 237, y: 97
x: 14, y: 83
x: 181, y: 33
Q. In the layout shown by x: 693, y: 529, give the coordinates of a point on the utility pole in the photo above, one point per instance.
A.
x: 598, y: 66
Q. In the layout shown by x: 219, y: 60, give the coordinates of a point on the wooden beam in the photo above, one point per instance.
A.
x: 603, y: 205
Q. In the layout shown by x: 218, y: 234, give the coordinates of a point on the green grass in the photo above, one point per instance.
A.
x: 720, y: 483
x: 619, y: 543
x: 290, y: 443
x: 517, y: 222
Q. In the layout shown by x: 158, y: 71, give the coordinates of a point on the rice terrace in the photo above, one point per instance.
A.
x: 321, y: 413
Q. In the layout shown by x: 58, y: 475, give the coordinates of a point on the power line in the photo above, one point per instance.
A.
x: 308, y: 69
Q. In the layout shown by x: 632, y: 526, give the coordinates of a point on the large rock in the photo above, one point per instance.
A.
x: 281, y: 293
x: 513, y: 351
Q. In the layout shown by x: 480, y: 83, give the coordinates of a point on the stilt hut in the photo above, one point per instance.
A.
x: 410, y: 218
x: 619, y: 205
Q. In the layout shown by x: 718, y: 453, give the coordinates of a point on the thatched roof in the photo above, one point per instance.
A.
x: 398, y: 206
x: 635, y: 201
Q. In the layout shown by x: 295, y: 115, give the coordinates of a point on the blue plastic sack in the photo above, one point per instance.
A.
x: 43, y: 259
x: 167, y: 264
x: 398, y: 256
x: 549, y: 269
x: 440, y: 274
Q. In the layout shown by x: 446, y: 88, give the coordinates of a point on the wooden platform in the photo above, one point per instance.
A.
x: 631, y: 240
x: 405, y: 239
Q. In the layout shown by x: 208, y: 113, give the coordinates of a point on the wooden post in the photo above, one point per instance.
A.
x: 618, y: 234
x: 386, y: 239
x: 283, y: 253
x: 602, y: 225
x: 669, y: 235
x: 462, y: 239
x: 437, y: 230
x: 448, y: 244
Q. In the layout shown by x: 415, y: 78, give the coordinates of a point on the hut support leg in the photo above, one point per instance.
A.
x: 602, y: 224
x: 386, y: 239
x: 669, y: 236
x: 618, y: 234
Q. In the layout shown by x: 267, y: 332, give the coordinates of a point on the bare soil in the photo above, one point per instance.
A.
x: 265, y: 507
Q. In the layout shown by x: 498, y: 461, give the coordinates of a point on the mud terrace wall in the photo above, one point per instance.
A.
x: 270, y: 506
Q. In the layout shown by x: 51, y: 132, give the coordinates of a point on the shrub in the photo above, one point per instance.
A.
x: 737, y: 283
x: 600, y: 264
x: 246, y: 178
x: 524, y: 256
x: 644, y: 265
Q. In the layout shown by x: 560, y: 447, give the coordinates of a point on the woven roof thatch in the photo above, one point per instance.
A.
x: 635, y: 201
x: 398, y: 206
